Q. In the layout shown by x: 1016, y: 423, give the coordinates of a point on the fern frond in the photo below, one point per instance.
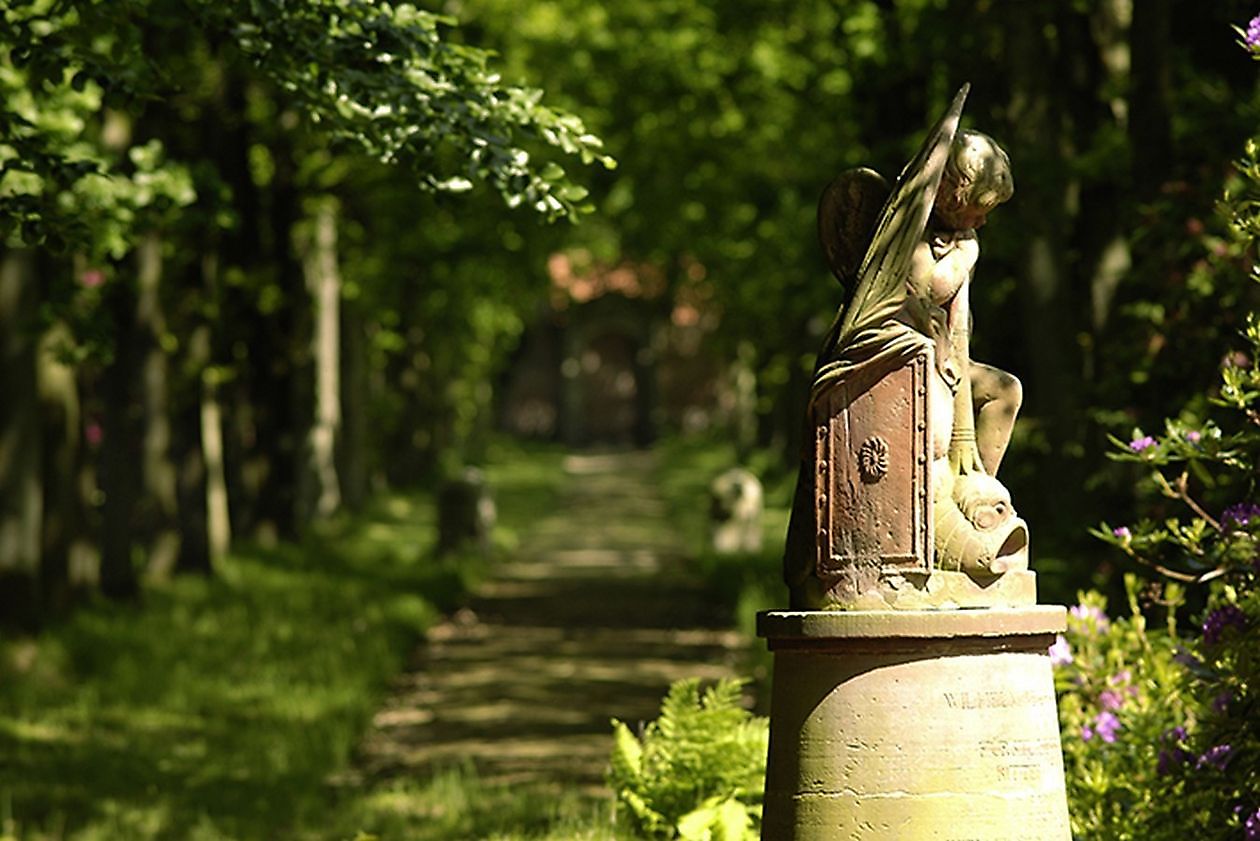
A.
x: 627, y: 755
x: 703, y: 752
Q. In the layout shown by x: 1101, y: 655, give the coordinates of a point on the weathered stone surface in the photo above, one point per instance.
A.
x: 782, y: 626
x: 939, y: 590
x: 914, y: 725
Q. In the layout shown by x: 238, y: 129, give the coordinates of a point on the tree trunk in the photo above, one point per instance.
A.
x: 238, y: 252
x: 21, y: 490
x: 323, y: 282
x: 355, y: 398
x: 280, y: 391
x: 1150, y: 119
x: 159, y: 499
x: 196, y: 551
x: 120, y: 449
x: 218, y: 514
x: 1103, y: 212
x: 1037, y: 126
x: 62, y: 458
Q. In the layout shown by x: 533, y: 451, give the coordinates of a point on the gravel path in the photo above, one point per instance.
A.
x: 587, y: 623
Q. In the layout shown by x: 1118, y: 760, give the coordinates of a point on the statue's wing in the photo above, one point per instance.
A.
x: 847, y: 213
x: 882, y: 274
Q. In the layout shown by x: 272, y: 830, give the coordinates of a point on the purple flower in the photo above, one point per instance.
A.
x: 1087, y: 613
x: 1175, y: 755
x: 1252, y: 826
x: 1252, y: 37
x: 1123, y: 533
x: 1119, y: 683
x: 1217, y: 757
x: 1220, y: 704
x: 1137, y: 445
x: 1087, y: 733
x: 1106, y: 724
x: 1193, y: 436
x: 1169, y: 760
x: 1240, y: 515
x: 1060, y: 652
x: 1110, y: 699
x: 1220, y: 620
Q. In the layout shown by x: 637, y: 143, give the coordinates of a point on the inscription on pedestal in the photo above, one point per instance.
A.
x: 992, y: 699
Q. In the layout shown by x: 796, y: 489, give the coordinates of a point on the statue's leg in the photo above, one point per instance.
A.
x: 996, y: 396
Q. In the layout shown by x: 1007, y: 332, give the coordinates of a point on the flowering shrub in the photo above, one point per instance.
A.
x: 1208, y: 763
x: 1121, y: 692
x: 1161, y: 731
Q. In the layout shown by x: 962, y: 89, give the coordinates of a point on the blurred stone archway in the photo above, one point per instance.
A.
x: 586, y: 375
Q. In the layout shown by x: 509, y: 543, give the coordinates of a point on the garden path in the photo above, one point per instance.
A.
x: 589, y: 621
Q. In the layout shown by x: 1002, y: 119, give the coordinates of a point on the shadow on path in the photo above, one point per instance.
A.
x: 590, y: 621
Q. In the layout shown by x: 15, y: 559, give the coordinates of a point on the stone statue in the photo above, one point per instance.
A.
x: 735, y: 509
x: 898, y: 504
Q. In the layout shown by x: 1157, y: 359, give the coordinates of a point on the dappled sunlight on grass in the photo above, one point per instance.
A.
x: 236, y: 707
x: 217, y: 708
x: 456, y: 804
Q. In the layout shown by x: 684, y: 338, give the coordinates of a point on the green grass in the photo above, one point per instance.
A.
x: 216, y: 708
x: 222, y: 708
x: 455, y: 805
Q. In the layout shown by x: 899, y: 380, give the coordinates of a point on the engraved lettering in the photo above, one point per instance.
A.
x: 991, y: 699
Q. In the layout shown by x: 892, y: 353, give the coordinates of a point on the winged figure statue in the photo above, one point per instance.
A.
x: 907, y: 252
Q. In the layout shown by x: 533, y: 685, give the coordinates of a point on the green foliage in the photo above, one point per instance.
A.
x: 382, y: 79
x: 696, y: 772
x: 1160, y: 734
x: 58, y: 186
x: 1206, y: 463
x: 381, y: 76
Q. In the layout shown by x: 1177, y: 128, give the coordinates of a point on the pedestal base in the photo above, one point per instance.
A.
x: 914, y: 725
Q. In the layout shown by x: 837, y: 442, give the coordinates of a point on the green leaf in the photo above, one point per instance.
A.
x: 696, y: 825
x: 627, y: 756
x: 733, y: 822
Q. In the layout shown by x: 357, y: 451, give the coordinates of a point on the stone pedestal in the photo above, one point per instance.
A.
x: 914, y: 725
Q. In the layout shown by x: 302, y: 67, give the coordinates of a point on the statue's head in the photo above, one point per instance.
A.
x: 977, y: 178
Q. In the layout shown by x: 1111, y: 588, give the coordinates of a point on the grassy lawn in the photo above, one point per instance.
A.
x: 455, y: 806
x: 224, y: 708
x: 217, y: 708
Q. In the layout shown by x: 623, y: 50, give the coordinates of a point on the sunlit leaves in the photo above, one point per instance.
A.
x: 381, y: 78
